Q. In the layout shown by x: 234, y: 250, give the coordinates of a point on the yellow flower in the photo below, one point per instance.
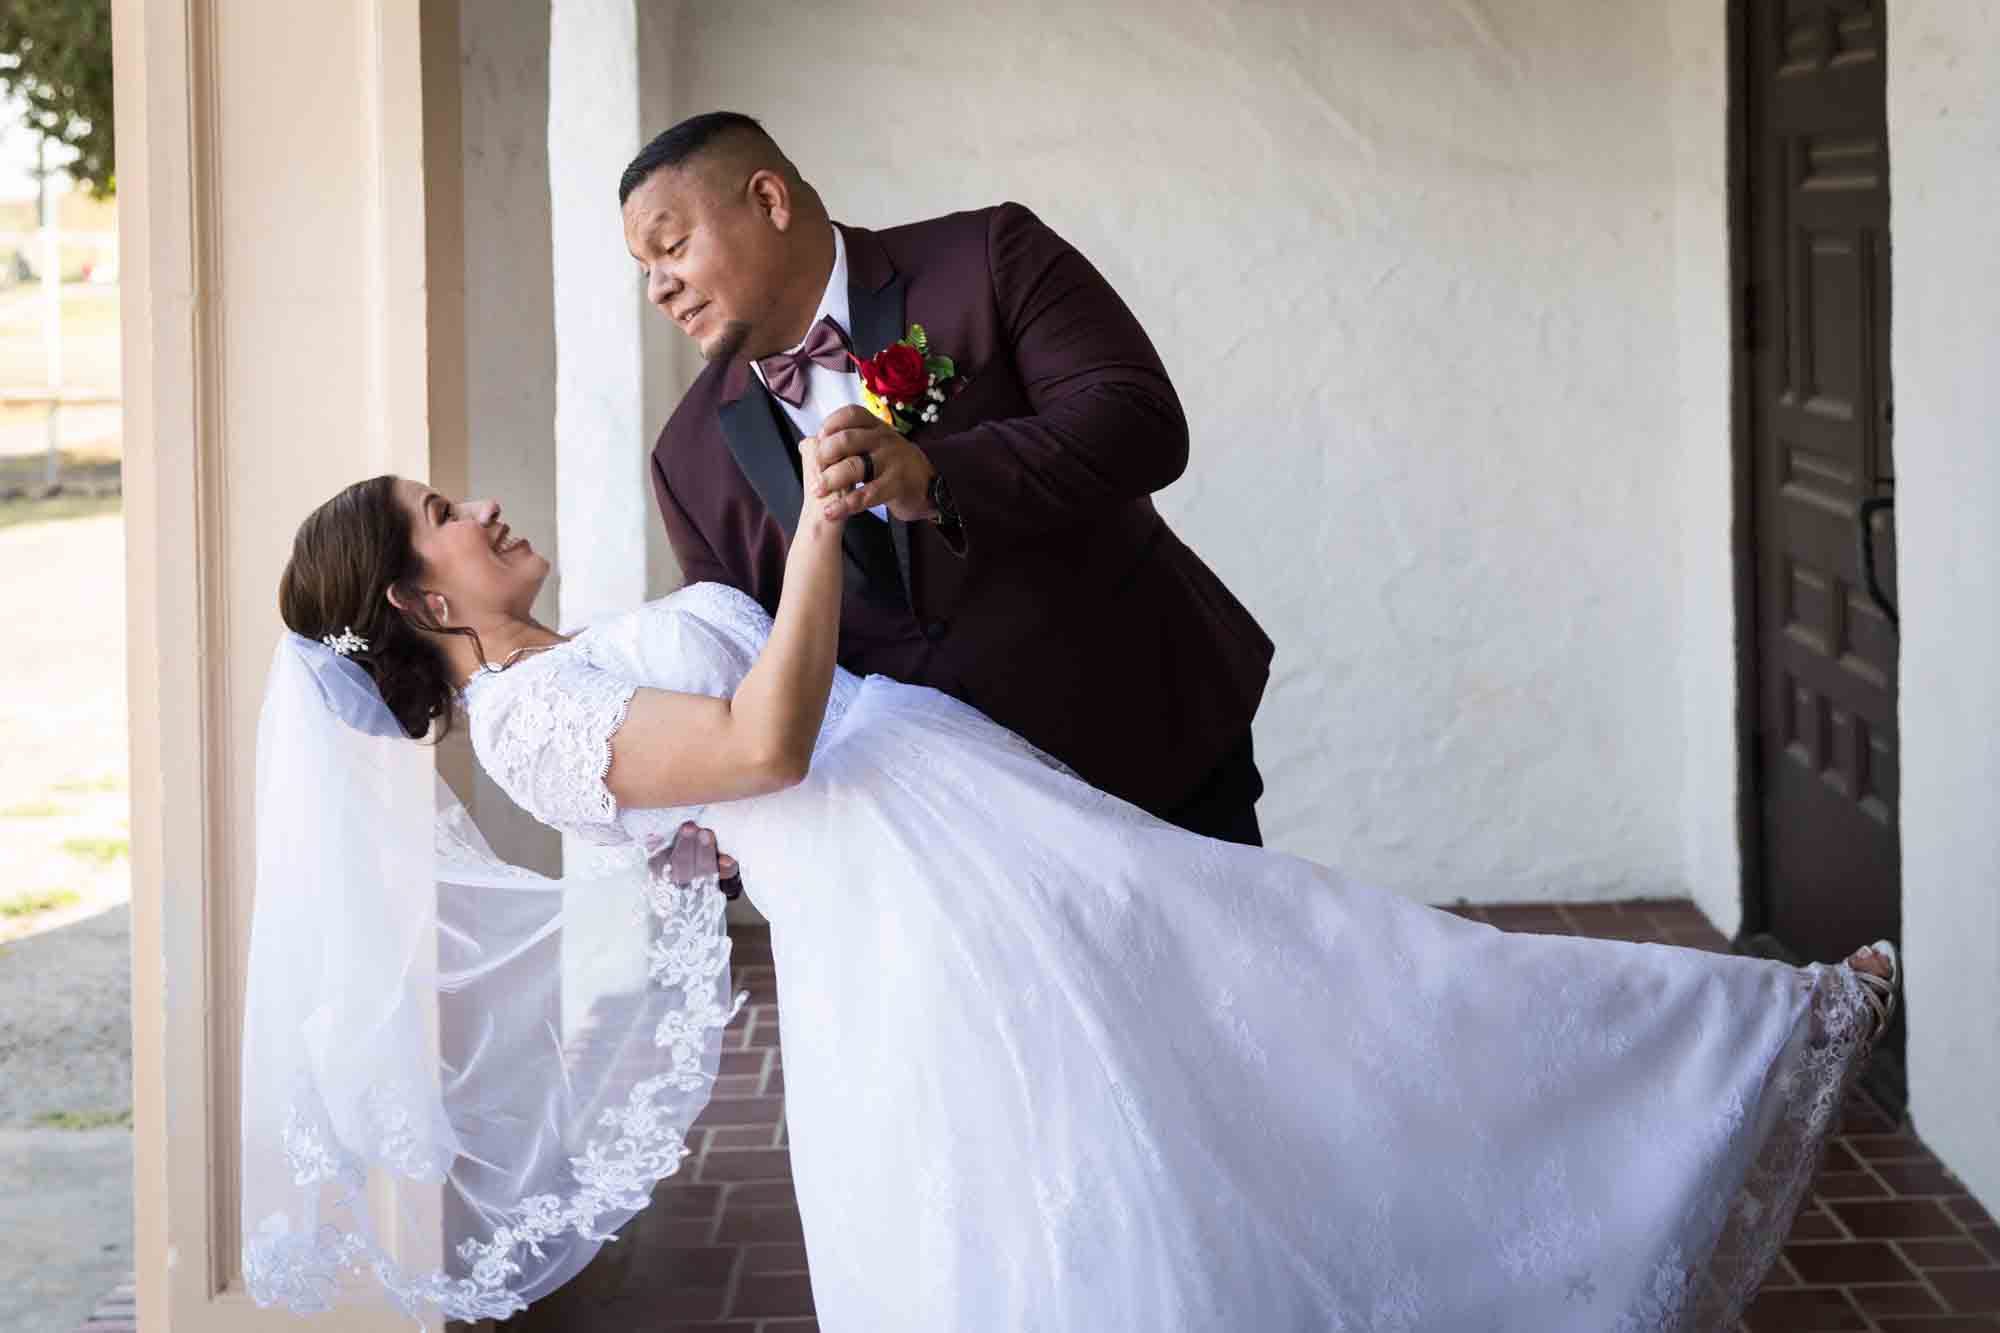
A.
x: 879, y: 407
x: 874, y: 403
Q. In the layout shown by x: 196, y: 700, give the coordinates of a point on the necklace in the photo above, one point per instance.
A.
x: 489, y: 669
x: 520, y: 653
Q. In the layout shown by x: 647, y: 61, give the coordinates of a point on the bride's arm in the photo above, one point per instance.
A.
x: 686, y: 749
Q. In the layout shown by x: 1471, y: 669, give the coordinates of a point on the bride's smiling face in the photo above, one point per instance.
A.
x: 470, y: 557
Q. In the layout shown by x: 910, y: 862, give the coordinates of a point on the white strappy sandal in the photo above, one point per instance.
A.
x: 1881, y: 992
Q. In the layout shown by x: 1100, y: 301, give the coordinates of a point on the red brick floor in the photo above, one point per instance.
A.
x: 1891, y: 1242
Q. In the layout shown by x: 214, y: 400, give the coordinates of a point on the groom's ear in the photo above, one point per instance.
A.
x: 772, y: 196
x: 398, y: 598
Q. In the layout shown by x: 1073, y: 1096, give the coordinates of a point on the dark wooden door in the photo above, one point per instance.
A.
x: 1820, y: 417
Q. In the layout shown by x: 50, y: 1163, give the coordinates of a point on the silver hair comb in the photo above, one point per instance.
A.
x: 346, y: 643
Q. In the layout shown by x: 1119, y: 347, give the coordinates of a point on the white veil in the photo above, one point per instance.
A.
x: 413, y: 1011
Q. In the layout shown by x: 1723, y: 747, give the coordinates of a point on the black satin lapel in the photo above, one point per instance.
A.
x: 877, y: 316
x: 899, y: 536
x: 869, y: 569
x: 750, y: 426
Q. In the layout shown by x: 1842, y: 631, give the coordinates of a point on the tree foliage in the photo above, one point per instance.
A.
x: 56, y: 56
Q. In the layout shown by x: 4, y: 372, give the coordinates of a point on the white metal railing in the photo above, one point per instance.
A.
x: 50, y: 239
x: 55, y: 401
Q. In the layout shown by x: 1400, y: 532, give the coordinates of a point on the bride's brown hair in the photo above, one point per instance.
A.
x: 348, y: 554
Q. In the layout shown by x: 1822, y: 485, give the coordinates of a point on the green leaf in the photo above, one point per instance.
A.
x: 55, y: 67
x: 940, y: 366
x: 917, y: 338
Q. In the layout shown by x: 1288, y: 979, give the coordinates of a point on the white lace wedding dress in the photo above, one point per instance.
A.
x: 1052, y: 1065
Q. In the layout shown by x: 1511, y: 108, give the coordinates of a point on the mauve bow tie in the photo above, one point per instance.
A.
x: 825, y: 345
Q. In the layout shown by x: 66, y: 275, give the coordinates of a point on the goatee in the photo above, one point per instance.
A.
x: 728, y: 344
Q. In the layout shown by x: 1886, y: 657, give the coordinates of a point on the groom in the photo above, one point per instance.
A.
x: 1006, y: 549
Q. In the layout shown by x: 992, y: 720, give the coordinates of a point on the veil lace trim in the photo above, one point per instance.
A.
x: 303, y: 1263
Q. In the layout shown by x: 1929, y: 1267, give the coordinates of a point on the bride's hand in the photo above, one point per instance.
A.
x: 812, y: 513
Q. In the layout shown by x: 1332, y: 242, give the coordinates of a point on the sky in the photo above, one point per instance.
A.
x: 17, y: 153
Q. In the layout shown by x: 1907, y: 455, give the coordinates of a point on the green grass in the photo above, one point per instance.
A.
x: 36, y: 810
x: 91, y: 465
x: 87, y: 786
x: 99, y: 851
x: 84, y: 1119
x: 19, y: 513
x: 87, y: 462
x: 38, y: 900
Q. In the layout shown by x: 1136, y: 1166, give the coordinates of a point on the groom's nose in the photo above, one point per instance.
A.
x: 661, y: 286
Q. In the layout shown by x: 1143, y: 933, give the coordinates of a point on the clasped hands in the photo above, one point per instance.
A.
x: 839, y: 481
x: 901, y: 472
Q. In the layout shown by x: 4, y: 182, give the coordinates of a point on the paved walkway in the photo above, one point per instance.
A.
x: 1890, y: 1242
x: 117, y: 1312
x: 65, y: 1223
x: 65, y: 1051
x: 64, y: 808
x: 65, y: 974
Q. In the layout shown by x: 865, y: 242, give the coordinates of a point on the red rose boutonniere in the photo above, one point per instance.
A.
x: 904, y: 382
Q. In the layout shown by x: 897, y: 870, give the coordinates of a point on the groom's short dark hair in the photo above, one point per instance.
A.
x: 671, y: 148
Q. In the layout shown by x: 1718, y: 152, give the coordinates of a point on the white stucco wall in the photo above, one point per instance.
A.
x: 1944, y: 124
x: 1413, y: 270
x: 1705, y: 619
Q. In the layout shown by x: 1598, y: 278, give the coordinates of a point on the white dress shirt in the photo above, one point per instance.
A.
x: 827, y: 391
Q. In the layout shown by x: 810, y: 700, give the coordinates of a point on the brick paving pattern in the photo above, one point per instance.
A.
x: 1890, y: 1243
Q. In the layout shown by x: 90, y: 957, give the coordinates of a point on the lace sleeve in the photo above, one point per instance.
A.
x: 545, y: 737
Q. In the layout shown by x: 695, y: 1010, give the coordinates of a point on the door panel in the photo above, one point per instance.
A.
x: 1825, y: 654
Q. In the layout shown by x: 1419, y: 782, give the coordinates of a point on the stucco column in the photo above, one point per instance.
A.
x: 251, y: 396
x: 1944, y: 130
x: 504, y: 394
x: 619, y: 366
x: 602, y: 500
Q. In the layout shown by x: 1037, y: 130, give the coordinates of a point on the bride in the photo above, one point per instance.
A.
x: 1050, y: 1063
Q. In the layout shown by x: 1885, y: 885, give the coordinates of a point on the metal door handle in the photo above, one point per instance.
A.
x: 1864, y: 517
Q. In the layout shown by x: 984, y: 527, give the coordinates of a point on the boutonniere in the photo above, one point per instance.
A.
x: 904, y: 382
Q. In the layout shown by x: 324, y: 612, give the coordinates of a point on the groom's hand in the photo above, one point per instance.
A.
x: 902, y: 473
x: 694, y: 855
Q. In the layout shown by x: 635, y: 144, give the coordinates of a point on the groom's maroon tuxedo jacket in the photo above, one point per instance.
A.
x: 1074, y: 616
